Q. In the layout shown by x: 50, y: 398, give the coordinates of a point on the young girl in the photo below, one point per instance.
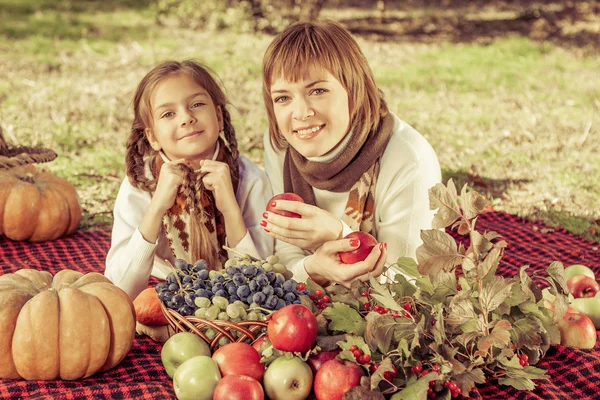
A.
x: 333, y: 141
x: 188, y: 191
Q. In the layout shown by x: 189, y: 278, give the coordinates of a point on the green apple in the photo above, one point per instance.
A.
x: 181, y: 347
x: 196, y: 379
x: 578, y: 269
x: 589, y: 306
x: 577, y: 330
x: 288, y: 378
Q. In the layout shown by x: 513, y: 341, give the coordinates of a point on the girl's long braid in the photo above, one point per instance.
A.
x: 231, y: 156
x: 137, y: 148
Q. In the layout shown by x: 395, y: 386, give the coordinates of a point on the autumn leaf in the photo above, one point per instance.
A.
x: 438, y: 251
x: 416, y: 390
x: 466, y: 381
x: 557, y: 272
x: 379, y: 333
x: 526, y: 332
x: 383, y: 295
x: 494, y: 293
x: 472, y: 202
x: 385, y: 366
x: 499, y: 337
x: 445, y: 200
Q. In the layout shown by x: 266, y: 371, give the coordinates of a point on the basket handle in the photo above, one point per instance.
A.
x: 11, y: 157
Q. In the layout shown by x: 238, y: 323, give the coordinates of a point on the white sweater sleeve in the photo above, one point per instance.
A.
x: 253, y: 193
x: 130, y: 258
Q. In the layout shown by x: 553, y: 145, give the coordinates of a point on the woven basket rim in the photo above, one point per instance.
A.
x: 181, y: 323
x: 14, y: 156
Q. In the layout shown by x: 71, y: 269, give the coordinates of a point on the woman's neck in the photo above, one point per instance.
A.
x: 333, y: 153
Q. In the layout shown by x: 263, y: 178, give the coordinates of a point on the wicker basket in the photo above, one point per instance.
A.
x: 20, y: 155
x: 249, y: 330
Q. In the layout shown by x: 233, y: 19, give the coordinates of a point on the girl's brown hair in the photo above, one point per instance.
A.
x: 323, y: 45
x: 139, y: 149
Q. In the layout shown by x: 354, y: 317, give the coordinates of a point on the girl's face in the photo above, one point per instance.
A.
x: 185, y: 121
x: 313, y: 113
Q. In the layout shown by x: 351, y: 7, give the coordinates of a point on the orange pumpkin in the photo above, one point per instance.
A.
x: 69, y: 326
x: 36, y: 205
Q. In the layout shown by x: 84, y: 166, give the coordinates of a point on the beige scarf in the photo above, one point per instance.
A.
x: 354, y: 170
x: 195, y: 204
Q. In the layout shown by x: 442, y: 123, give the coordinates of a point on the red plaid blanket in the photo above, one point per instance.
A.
x: 141, y: 374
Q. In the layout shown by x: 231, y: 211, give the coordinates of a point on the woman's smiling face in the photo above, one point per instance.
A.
x: 313, y: 113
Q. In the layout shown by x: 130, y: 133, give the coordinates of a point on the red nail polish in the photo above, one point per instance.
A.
x: 384, y: 245
x: 381, y: 246
x: 267, y: 231
x: 263, y: 223
x: 265, y: 215
x: 354, y: 242
x: 273, y: 204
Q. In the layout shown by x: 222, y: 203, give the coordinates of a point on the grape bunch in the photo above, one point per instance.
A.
x: 191, y: 289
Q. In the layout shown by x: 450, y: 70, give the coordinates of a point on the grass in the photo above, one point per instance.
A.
x: 515, y: 118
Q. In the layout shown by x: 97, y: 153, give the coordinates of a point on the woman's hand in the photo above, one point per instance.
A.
x: 311, y: 231
x: 217, y: 179
x: 325, y: 265
x: 169, y: 182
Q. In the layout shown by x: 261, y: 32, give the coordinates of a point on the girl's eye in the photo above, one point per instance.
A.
x: 197, y: 105
x: 280, y: 99
x: 167, y: 114
x: 319, y: 91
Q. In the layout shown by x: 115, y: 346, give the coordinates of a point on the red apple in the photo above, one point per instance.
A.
x: 577, y: 330
x: 367, y: 242
x: 335, y: 378
x: 316, y: 361
x: 238, y: 387
x: 292, y: 328
x: 284, y: 196
x: 583, y: 286
x: 239, y: 359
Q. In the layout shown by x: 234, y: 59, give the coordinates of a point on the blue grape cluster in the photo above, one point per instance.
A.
x: 255, y: 284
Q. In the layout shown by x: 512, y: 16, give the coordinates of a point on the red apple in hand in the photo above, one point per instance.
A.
x: 315, y: 362
x: 284, y: 196
x: 239, y: 359
x: 335, y: 378
x: 292, y: 328
x: 238, y: 387
x: 577, y: 330
x: 367, y: 242
x: 583, y: 286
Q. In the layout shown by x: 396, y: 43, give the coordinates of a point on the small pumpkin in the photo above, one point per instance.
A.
x: 36, y: 205
x: 69, y: 326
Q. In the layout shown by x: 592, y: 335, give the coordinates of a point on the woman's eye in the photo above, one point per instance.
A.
x: 281, y: 99
x: 319, y: 91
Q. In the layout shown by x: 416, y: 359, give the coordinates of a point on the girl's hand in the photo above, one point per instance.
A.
x: 310, y: 232
x: 217, y: 179
x: 324, y: 265
x: 169, y: 182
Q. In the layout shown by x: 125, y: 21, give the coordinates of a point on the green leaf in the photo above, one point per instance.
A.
x: 379, y: 333
x: 350, y: 341
x: 487, y: 268
x: 341, y: 294
x: 526, y: 332
x: 518, y: 383
x: 494, y: 293
x: 444, y: 284
x: 445, y: 200
x: 408, y: 266
x: 556, y: 271
x: 438, y: 251
x: 472, y: 202
x: 345, y: 318
x: 528, y: 286
x: 402, y: 287
x: 461, y: 311
x: 416, y: 390
x: 383, y: 295
x: 517, y: 296
x: 424, y: 285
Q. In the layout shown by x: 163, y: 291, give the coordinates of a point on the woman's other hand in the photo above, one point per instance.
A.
x: 309, y: 232
x: 325, y: 265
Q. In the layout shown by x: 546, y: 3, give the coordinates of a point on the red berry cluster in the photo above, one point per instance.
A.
x: 450, y: 385
x: 320, y: 300
x: 360, y: 356
x: 387, y: 375
x: 524, y: 360
x: 382, y: 310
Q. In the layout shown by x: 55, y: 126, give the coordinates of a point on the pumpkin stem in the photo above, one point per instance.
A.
x: 28, y: 177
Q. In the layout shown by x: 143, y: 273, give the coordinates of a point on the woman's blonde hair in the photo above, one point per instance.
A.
x: 139, y: 149
x: 323, y: 45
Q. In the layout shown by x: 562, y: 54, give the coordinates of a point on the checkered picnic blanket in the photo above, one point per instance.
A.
x: 573, y: 372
